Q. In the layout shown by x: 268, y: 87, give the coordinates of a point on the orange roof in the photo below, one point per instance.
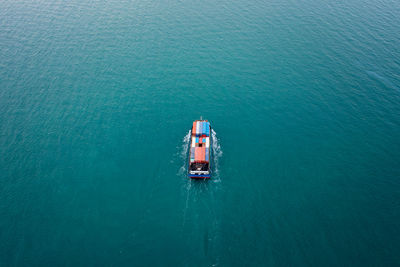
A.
x: 200, y: 154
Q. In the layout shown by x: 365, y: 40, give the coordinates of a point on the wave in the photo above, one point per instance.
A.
x: 199, y: 197
x: 183, y: 154
x: 217, y: 154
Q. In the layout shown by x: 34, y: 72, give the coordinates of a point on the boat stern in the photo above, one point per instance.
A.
x: 199, y: 175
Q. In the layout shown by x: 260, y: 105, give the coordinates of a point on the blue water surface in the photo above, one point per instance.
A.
x: 97, y: 99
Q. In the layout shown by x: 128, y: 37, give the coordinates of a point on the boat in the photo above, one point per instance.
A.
x: 200, y: 150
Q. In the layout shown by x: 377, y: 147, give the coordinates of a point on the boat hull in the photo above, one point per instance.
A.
x: 198, y: 176
x: 202, y: 158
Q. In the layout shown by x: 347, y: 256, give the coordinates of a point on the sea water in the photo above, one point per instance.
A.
x: 97, y: 98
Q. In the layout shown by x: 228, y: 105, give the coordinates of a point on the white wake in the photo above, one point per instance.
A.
x: 183, y: 154
x: 216, y: 155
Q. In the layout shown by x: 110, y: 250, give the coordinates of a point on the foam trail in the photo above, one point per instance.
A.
x: 184, y: 153
x: 217, y: 154
x: 189, y: 184
x: 185, y: 144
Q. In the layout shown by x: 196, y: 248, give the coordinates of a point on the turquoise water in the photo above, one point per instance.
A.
x: 97, y: 98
